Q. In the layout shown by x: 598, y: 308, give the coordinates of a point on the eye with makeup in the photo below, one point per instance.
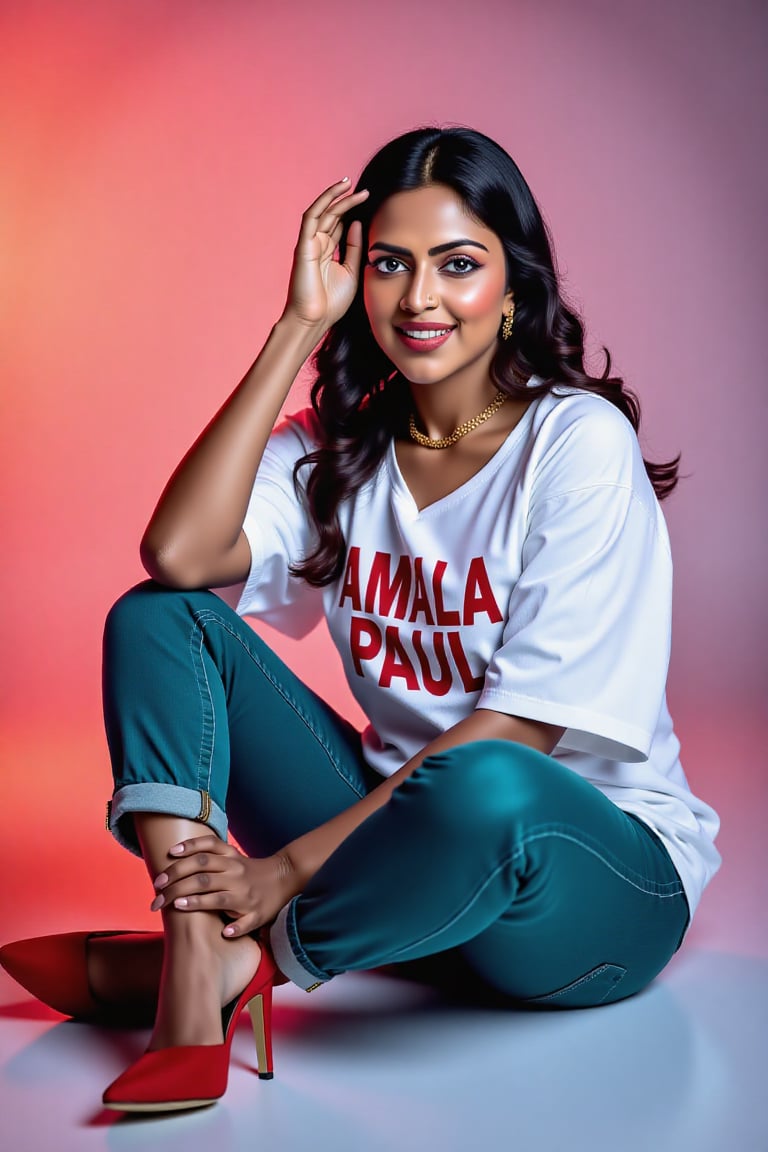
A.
x: 384, y: 264
x: 456, y: 266
x: 461, y: 265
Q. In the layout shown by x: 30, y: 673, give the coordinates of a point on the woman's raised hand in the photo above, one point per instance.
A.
x: 322, y: 288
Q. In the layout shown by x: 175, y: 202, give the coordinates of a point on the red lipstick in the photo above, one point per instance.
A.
x: 419, y: 336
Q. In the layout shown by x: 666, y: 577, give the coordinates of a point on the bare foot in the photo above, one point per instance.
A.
x: 201, y: 973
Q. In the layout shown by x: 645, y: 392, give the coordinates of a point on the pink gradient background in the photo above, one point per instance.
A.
x: 155, y: 157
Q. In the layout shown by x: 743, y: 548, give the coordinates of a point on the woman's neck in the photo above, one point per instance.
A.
x: 442, y: 406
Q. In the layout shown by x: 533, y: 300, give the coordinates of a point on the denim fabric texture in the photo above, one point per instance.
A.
x: 490, y: 853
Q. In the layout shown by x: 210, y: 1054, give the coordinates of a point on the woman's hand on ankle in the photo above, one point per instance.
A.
x: 210, y: 875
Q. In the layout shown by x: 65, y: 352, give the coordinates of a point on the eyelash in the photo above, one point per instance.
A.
x: 381, y: 260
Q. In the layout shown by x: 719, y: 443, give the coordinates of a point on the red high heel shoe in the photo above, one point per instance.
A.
x: 55, y: 970
x: 194, y: 1076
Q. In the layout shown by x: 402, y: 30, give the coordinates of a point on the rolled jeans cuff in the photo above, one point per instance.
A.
x: 289, y: 955
x: 167, y: 799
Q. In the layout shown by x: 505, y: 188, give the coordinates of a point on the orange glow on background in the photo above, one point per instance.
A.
x: 156, y: 158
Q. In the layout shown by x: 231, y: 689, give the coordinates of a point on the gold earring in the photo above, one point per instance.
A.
x: 506, y: 327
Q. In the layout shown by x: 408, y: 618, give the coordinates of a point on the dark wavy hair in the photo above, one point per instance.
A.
x: 362, y: 401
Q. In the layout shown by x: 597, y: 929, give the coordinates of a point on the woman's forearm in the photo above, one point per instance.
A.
x: 194, y: 538
x: 305, y: 855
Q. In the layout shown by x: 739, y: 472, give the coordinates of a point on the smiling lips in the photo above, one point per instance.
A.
x: 419, y: 337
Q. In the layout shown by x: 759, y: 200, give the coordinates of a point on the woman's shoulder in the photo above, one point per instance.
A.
x: 582, y: 438
x: 296, y: 433
x: 566, y: 409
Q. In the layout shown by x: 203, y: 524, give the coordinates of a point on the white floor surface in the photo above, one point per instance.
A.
x: 373, y: 1064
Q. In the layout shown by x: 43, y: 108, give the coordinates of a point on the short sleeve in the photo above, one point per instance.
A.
x: 279, y: 535
x: 587, y: 638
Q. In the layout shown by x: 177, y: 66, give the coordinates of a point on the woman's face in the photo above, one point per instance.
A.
x: 435, y: 286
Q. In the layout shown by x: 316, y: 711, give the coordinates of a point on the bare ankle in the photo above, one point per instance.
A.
x: 191, y: 928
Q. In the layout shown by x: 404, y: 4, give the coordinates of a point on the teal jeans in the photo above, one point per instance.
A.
x: 491, y: 858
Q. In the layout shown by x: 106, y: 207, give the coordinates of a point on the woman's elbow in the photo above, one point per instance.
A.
x: 164, y: 563
x: 170, y: 563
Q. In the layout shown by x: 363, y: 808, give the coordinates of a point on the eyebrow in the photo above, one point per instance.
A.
x: 436, y: 251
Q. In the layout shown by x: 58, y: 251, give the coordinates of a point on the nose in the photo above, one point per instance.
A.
x: 419, y: 295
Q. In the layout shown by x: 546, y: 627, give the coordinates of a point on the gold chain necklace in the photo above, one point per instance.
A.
x: 467, y: 426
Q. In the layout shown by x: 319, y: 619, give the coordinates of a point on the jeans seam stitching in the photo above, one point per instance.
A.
x: 208, y: 723
x: 586, y: 979
x: 615, y: 983
x: 537, y: 833
x: 464, y: 907
x: 205, y: 616
x: 642, y: 883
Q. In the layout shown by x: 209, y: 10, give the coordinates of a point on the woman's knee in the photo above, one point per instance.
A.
x: 485, y: 781
x: 148, y: 604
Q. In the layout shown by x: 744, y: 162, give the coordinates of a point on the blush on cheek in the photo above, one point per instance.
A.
x: 479, y: 297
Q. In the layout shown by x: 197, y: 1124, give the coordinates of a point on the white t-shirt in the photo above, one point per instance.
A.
x: 540, y: 588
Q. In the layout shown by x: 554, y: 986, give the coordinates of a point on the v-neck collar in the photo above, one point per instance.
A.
x: 405, y: 498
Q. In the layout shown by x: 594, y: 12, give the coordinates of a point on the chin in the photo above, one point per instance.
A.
x: 424, y: 370
x: 421, y: 375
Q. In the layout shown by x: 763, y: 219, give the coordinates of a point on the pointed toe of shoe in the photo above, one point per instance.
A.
x: 170, y: 1080
x: 53, y: 969
x: 194, y: 1076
